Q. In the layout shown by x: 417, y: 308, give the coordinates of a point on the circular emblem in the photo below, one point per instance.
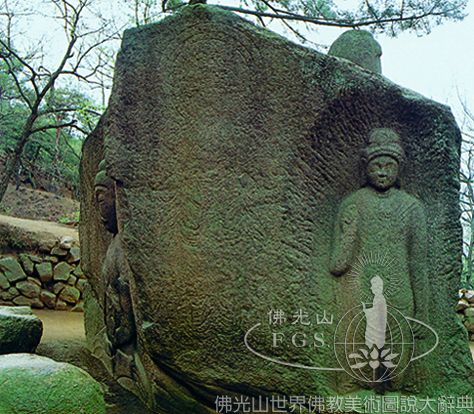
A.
x: 372, y: 347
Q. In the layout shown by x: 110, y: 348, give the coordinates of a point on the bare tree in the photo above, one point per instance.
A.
x: 35, y: 83
x: 467, y: 194
x: 144, y: 11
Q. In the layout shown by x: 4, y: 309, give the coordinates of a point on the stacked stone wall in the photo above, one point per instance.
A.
x: 49, y: 278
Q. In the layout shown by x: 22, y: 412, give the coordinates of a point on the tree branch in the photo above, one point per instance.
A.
x: 281, y: 14
x: 53, y: 126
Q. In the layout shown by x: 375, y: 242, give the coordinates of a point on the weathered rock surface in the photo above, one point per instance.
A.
x: 66, y: 242
x: 465, y: 308
x: 78, y: 272
x: 23, y: 301
x: 7, y: 295
x: 70, y: 294
x: 81, y: 284
x: 48, y: 298
x: 4, y: 283
x: 13, y: 291
x: 27, y: 264
x: 29, y: 289
x: 20, y: 330
x: 232, y: 149
x: 58, y: 251
x: 78, y: 308
x: 74, y: 255
x: 62, y: 272
x: 11, y: 269
x: 34, y: 258
x: 45, y: 271
x: 58, y: 287
x: 469, y: 296
x: 33, y: 384
x: 54, y: 259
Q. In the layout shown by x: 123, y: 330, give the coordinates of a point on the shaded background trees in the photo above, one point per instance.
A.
x: 44, y: 115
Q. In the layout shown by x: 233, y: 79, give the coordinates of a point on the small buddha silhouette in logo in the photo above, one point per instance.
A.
x: 375, y: 354
x: 376, y: 316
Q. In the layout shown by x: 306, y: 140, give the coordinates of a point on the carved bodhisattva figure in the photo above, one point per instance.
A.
x: 118, y: 310
x: 380, y: 234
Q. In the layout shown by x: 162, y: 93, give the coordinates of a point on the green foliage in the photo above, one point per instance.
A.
x: 50, y: 155
x: 175, y: 3
x: 5, y: 210
x: 71, y: 218
x: 467, y: 280
x: 11, y: 110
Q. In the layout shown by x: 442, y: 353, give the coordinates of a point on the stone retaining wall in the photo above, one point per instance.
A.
x: 51, y: 278
x: 465, y: 308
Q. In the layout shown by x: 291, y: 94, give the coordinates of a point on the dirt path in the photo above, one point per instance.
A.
x: 61, y: 325
x: 37, y: 226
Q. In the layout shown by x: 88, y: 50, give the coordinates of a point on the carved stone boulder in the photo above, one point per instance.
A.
x: 228, y: 151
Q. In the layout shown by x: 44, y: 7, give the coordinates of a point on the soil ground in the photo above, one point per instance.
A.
x: 64, y: 340
x: 37, y: 204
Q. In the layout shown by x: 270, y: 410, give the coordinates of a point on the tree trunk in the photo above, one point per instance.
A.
x: 6, y: 173
x: 13, y: 160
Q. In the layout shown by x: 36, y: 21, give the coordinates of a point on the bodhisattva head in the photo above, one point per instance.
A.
x: 384, y: 155
x: 104, y: 192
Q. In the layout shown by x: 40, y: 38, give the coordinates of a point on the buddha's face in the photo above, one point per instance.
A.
x: 105, y: 198
x: 382, y: 172
x: 377, y: 287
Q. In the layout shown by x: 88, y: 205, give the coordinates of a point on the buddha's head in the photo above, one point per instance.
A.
x: 376, y: 285
x: 384, y: 155
x: 104, y: 192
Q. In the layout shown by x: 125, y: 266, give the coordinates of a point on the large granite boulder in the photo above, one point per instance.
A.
x: 229, y: 223
x: 20, y: 330
x: 33, y: 384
